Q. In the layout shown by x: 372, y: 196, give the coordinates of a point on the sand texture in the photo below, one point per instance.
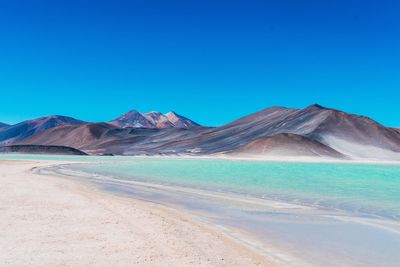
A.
x: 52, y: 221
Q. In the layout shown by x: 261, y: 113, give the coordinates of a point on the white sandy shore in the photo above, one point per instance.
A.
x: 52, y: 221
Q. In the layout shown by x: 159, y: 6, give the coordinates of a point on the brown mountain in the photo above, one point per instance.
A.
x: 158, y: 120
x: 396, y: 129
x: 26, y: 129
x: 82, y: 137
x: 352, y: 135
x: 180, y: 121
x: 153, y: 119
x: 312, y: 131
x: 103, y: 138
x: 132, y: 119
x: 285, y: 144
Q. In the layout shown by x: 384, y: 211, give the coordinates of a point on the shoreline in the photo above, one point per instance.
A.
x: 287, y: 239
x: 267, y: 240
x: 261, y: 232
x: 104, y: 183
x: 228, y: 157
x: 57, y: 221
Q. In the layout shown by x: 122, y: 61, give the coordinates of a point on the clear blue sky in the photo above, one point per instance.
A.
x: 212, y: 61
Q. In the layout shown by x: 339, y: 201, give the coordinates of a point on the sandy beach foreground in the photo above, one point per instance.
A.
x: 51, y: 221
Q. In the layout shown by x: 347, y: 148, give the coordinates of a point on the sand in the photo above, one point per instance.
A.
x: 52, y: 221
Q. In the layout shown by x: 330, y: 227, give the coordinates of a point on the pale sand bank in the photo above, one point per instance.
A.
x: 51, y: 221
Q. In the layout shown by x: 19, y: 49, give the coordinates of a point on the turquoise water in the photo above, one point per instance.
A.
x: 356, y: 223
x: 362, y: 188
x: 369, y: 189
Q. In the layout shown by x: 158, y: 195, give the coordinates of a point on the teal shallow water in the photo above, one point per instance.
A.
x: 366, y: 189
x: 356, y: 222
x: 370, y: 189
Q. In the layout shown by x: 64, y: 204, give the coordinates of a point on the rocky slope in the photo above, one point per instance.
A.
x: 351, y: 135
x: 103, y: 138
x: 153, y: 119
x: 180, y: 121
x: 132, y: 119
x: 26, y: 129
x: 285, y: 144
x: 396, y: 129
x: 158, y: 120
x: 312, y: 131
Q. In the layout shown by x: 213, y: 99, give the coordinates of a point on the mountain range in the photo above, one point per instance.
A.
x: 10, y: 134
x: 152, y: 119
x: 314, y: 131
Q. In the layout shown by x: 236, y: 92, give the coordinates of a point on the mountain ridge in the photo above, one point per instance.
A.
x: 25, y: 129
x: 312, y: 131
x: 2, y: 125
x: 153, y: 119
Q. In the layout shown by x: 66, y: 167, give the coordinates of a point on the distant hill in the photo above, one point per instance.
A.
x: 103, y: 138
x: 352, y: 135
x: 290, y: 145
x: 26, y: 129
x: 313, y: 131
x: 39, y: 149
x: 85, y: 137
x: 3, y: 125
x: 152, y: 119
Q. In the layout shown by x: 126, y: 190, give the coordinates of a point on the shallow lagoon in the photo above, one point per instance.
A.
x: 317, y: 214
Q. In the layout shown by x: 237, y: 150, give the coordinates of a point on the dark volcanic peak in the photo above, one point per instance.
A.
x: 29, y: 128
x: 153, y: 119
